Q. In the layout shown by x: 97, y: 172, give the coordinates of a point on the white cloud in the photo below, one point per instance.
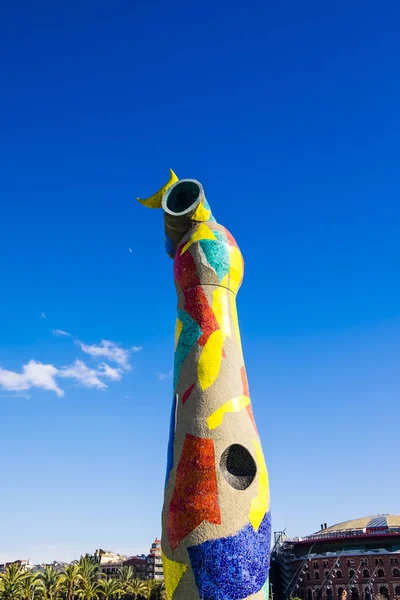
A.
x: 162, y: 376
x: 110, y: 372
x: 59, y: 332
x: 38, y: 375
x: 34, y: 374
x: 43, y: 315
x: 109, y: 350
x: 130, y: 250
x: 82, y: 373
x: 45, y: 376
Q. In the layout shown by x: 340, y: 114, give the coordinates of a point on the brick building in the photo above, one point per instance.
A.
x: 359, y: 559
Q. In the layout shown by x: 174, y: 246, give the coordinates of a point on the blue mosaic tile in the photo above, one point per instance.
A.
x: 207, y: 207
x: 234, y: 567
x: 190, y: 333
x: 171, y: 441
x: 169, y: 246
x: 217, y: 254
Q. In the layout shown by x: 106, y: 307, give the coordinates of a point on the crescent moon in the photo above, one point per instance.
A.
x: 154, y: 201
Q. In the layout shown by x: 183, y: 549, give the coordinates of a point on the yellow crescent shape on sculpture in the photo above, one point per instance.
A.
x: 154, y: 201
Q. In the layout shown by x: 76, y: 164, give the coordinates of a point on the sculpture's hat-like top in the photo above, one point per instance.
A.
x: 183, y: 197
x: 155, y: 200
x: 184, y: 204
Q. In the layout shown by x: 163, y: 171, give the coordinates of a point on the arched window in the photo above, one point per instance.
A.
x: 350, y: 562
x: 316, y: 575
x: 340, y: 592
x: 329, y: 594
x: 351, y: 573
x: 339, y: 575
x: 397, y: 590
x: 326, y: 574
x: 302, y: 594
x: 308, y: 576
x: 368, y: 593
x: 384, y: 592
x: 366, y: 574
x: 309, y: 595
x: 318, y: 593
x: 354, y: 593
x: 364, y: 562
x: 394, y: 560
x: 381, y: 573
x: 396, y: 572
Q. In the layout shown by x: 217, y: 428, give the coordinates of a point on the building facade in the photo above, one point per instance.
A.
x: 143, y: 567
x: 24, y: 564
x: 358, y: 559
x: 155, y: 568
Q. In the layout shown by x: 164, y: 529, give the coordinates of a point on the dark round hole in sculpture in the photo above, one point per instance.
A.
x: 238, y: 467
x: 182, y: 196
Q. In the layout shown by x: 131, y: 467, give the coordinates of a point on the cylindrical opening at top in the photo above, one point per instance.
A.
x: 183, y: 197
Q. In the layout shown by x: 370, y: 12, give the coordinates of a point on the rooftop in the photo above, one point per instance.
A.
x: 364, y: 525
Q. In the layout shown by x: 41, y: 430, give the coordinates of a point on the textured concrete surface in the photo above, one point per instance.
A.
x: 216, y: 520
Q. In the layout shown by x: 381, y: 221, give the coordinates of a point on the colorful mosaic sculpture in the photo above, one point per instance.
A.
x: 216, y: 518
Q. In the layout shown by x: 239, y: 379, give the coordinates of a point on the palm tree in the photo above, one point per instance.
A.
x: 126, y: 575
x: 89, y: 568
x: 50, y: 583
x: 137, y: 588
x: 149, y: 589
x: 158, y: 591
x: 11, y: 582
x: 111, y: 588
x: 70, y: 579
x: 89, y: 589
x: 30, y: 585
x: 126, y: 578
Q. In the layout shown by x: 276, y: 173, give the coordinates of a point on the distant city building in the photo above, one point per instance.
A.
x: 109, y: 562
x: 139, y: 565
x: 155, y: 567
x: 57, y: 565
x: 144, y: 567
x: 357, y: 560
x: 104, y: 557
x: 26, y: 564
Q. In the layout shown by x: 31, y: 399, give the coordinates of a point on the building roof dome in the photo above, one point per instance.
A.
x: 365, y: 524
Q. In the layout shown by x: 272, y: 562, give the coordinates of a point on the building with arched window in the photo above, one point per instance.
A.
x: 354, y: 560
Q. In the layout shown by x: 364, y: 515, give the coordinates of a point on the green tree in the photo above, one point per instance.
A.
x: 158, y: 591
x: 126, y: 578
x: 89, y: 568
x: 11, y: 582
x: 70, y: 580
x: 138, y: 588
x: 50, y: 583
x: 89, y: 589
x: 126, y: 575
x: 150, y: 590
x: 111, y: 589
x: 30, y: 586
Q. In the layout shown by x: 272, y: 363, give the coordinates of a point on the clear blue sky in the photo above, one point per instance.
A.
x: 288, y: 113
